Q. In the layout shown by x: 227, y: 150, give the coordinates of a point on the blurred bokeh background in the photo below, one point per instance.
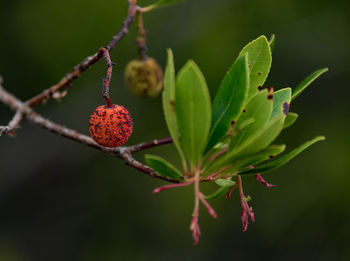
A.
x: 60, y: 200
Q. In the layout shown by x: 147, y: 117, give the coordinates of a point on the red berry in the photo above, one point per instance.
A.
x: 110, y: 126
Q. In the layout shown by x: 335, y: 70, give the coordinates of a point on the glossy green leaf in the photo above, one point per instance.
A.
x: 161, y: 3
x: 193, y: 110
x: 169, y: 104
x: 307, y: 81
x: 225, y: 182
x: 261, y: 156
x: 290, y: 119
x: 281, y: 102
x: 258, y: 108
x: 272, y: 42
x: 259, y: 62
x: 163, y: 167
x: 229, y: 100
x: 255, y: 143
x: 282, y: 160
x: 220, y: 192
x: 264, y: 137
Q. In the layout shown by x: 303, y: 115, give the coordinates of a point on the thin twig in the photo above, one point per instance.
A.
x: 151, y: 144
x: 88, y: 62
x: 13, y: 124
x: 107, y: 79
x: 141, y: 39
x: 122, y: 152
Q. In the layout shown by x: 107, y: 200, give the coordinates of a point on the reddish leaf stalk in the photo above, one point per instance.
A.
x: 219, y: 153
x: 198, y: 197
x: 259, y: 178
x: 211, y: 211
x: 228, y: 194
x: 166, y: 187
x: 247, y: 211
x: 215, y: 175
x: 194, y: 227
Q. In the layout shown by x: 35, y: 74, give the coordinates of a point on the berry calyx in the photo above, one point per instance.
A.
x: 110, y: 126
x: 144, y: 78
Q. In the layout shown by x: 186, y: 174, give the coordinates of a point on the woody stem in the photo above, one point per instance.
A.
x: 141, y: 39
x: 107, y: 79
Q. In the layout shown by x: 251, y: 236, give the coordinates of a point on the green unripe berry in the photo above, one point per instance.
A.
x: 144, y: 78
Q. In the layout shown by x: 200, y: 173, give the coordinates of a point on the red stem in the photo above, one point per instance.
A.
x: 207, y: 205
x: 264, y: 182
x: 194, y: 223
x: 160, y: 189
x: 219, y: 153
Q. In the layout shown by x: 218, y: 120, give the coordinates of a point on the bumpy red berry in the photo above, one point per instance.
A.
x: 110, y: 126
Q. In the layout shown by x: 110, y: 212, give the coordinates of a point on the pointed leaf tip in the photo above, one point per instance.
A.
x: 272, y: 42
x: 307, y: 81
x: 259, y: 62
x: 272, y: 165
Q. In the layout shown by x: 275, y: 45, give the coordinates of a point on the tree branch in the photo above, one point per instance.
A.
x: 125, y: 153
x: 88, y: 62
x: 13, y: 124
x: 25, y: 108
x: 151, y: 144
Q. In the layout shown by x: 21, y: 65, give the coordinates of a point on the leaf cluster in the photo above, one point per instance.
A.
x: 232, y: 135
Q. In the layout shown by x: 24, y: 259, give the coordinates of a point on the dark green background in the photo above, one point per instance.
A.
x: 60, y: 200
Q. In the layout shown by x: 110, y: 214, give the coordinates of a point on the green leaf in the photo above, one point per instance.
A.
x: 193, y: 110
x: 266, y: 154
x: 161, y: 3
x: 220, y: 192
x: 264, y: 137
x: 259, y: 62
x: 163, y: 167
x: 258, y: 108
x: 307, y: 81
x: 259, y: 141
x: 225, y: 182
x: 229, y: 100
x: 272, y: 42
x: 282, y: 160
x: 290, y: 119
x: 169, y: 105
x: 281, y: 102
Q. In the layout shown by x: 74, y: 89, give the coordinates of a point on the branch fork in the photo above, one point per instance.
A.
x: 25, y: 109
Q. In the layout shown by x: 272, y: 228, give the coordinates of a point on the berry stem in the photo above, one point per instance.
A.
x: 141, y: 39
x: 107, y: 79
